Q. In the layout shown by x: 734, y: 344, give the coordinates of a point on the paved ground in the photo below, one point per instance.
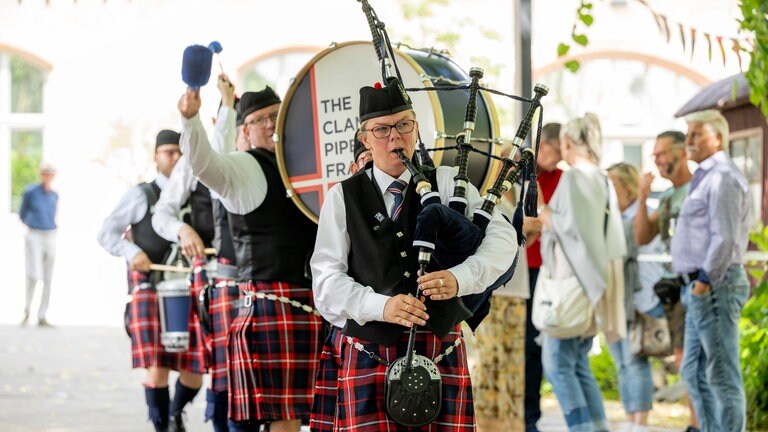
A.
x: 78, y: 379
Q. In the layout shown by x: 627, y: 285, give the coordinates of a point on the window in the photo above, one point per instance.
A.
x: 276, y: 70
x: 746, y: 150
x: 634, y: 98
x: 22, y: 84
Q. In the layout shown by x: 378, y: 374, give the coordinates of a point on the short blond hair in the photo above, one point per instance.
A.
x: 628, y: 176
x: 716, y: 122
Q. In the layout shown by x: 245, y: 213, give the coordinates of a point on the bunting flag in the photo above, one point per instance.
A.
x: 709, y: 46
x: 722, y: 50
x: 693, y: 41
x: 737, y: 49
x: 682, y: 35
x: 688, y: 34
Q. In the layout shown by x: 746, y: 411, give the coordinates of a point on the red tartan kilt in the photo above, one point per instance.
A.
x: 222, y: 313
x: 144, y: 328
x: 361, y: 385
x: 327, y: 383
x: 274, y: 353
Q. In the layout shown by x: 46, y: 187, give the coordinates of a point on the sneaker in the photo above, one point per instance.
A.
x: 177, y: 423
x: 42, y: 322
x: 25, y: 319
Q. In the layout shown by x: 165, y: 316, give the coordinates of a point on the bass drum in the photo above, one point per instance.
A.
x: 317, y: 120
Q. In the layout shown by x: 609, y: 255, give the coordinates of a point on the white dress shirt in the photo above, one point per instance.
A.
x: 338, y: 297
x: 165, y: 220
x: 129, y: 210
x: 236, y: 177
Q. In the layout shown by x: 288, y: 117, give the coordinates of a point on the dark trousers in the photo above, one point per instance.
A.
x: 533, y: 369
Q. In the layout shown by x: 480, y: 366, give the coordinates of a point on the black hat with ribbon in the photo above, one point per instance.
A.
x: 358, y: 147
x: 381, y: 100
x: 254, y: 101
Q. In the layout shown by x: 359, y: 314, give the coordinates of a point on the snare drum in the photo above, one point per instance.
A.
x: 319, y: 116
x: 174, y: 302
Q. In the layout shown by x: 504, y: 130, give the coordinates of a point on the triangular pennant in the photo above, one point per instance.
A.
x: 657, y: 18
x: 722, y: 49
x: 693, y: 41
x: 682, y: 35
x: 709, y: 46
x: 737, y: 50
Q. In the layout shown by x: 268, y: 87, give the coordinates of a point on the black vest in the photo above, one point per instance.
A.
x: 142, y: 233
x: 223, y: 237
x: 275, y: 241
x: 201, y: 214
x: 382, y: 256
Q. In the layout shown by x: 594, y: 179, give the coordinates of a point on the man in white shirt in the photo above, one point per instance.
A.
x: 274, y: 348
x: 141, y: 247
x: 203, y: 227
x: 364, y: 270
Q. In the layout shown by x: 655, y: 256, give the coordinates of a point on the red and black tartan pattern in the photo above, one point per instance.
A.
x: 361, y: 386
x: 144, y: 327
x: 222, y: 313
x: 274, y: 353
x: 327, y: 383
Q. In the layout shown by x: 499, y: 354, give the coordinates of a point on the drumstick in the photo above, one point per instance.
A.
x: 210, y: 251
x: 163, y: 267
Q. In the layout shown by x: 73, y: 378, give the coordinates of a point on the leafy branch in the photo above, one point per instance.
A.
x: 755, y: 20
x: 578, y: 34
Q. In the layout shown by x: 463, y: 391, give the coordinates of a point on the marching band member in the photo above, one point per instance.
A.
x: 204, y: 230
x: 274, y: 347
x: 134, y: 211
x: 326, y: 384
x: 364, y: 264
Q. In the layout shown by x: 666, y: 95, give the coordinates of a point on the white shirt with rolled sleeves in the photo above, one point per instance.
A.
x: 129, y: 210
x: 237, y: 178
x: 182, y: 183
x: 338, y: 297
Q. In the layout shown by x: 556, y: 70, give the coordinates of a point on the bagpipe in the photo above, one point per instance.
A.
x: 444, y: 235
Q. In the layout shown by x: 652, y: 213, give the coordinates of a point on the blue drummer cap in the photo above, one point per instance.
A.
x: 254, y: 101
x: 381, y: 100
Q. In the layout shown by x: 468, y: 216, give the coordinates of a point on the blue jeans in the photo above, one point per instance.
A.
x: 635, y: 383
x: 711, y: 368
x: 566, y: 366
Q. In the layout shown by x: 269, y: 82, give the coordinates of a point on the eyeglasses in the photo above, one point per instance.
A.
x: 261, y: 122
x: 383, y: 131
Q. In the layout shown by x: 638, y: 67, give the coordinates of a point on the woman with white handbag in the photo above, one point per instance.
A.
x: 581, y: 288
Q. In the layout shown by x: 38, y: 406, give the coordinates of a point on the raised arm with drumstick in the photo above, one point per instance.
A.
x: 273, y: 241
x: 201, y: 231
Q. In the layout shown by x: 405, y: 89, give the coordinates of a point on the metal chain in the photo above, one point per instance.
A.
x: 360, y: 347
x: 249, y: 295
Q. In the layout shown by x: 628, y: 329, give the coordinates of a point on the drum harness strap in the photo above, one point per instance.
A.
x: 356, y: 344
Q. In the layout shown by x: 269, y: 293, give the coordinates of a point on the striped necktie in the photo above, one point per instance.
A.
x: 396, y: 189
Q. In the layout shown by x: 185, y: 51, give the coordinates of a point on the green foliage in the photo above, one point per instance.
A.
x: 755, y: 13
x: 26, y: 153
x: 605, y: 373
x: 753, y: 330
x: 585, y: 19
x: 573, y: 65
